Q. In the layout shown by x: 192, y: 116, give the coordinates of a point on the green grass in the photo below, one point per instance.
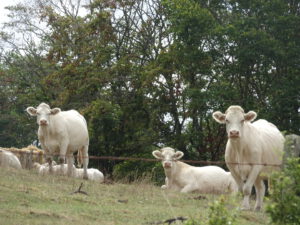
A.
x: 28, y: 198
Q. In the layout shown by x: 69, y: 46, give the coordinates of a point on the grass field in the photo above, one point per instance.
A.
x: 28, y: 198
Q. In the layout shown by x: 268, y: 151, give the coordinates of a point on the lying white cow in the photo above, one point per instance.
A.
x: 63, y: 133
x: 185, y: 178
x: 93, y: 174
x: 249, y: 148
x: 8, y: 159
x: 44, y: 169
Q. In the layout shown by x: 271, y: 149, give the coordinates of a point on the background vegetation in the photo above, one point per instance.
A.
x: 149, y: 73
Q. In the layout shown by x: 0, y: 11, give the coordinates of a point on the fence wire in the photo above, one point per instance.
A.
x: 120, y: 158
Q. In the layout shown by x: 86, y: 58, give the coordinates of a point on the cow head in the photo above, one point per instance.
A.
x: 42, y: 112
x: 168, y: 156
x: 234, y: 118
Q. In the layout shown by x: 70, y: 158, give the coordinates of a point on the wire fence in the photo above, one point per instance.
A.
x: 27, y: 158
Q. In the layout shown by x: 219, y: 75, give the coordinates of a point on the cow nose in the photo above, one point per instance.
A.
x: 234, y: 133
x: 167, y: 165
x: 43, y: 122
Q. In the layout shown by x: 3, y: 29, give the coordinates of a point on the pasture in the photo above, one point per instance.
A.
x: 29, y: 198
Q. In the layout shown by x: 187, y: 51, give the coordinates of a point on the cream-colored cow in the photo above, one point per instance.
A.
x: 63, y: 133
x: 8, y: 159
x: 186, y: 178
x: 252, y: 152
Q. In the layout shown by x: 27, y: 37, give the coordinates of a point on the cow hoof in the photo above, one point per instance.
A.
x: 85, y: 177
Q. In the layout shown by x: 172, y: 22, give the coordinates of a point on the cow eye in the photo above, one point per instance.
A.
x: 227, y: 121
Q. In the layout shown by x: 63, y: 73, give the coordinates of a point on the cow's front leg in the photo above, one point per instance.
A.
x: 166, y: 185
x: 249, y: 184
x: 48, y: 159
x: 188, y: 188
x: 62, y: 155
x: 235, y: 175
x: 260, y: 193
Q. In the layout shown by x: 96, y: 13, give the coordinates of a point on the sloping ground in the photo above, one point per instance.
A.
x: 28, y: 198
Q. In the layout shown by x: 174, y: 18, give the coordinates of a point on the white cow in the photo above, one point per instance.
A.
x: 250, y: 147
x: 93, y: 174
x: 44, y: 169
x: 63, y: 133
x: 8, y: 159
x: 185, y: 178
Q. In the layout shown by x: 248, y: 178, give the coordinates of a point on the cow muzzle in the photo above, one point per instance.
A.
x: 234, y: 134
x: 43, y: 123
x: 167, y: 165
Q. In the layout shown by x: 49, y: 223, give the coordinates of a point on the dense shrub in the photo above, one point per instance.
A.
x: 285, y: 194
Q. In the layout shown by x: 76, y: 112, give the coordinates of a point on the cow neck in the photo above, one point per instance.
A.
x: 239, y: 145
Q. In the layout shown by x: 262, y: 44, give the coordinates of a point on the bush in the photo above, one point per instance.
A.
x: 130, y: 171
x: 219, y: 213
x: 285, y: 194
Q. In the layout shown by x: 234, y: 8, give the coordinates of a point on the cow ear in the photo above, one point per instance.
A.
x: 219, y: 117
x: 250, y: 116
x: 31, y: 111
x: 54, y: 111
x: 157, y: 154
x: 178, y: 155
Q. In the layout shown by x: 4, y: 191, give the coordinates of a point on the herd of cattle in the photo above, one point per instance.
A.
x: 253, y: 151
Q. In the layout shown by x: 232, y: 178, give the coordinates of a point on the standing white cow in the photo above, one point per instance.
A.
x: 253, y: 151
x: 185, y: 178
x: 63, y: 132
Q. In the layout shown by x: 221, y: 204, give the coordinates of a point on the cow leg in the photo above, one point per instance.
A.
x: 85, y: 161
x: 236, y: 176
x: 48, y: 159
x: 62, y: 155
x: 166, y: 185
x: 188, y: 188
x: 260, y: 193
x: 70, y: 162
x: 248, y: 186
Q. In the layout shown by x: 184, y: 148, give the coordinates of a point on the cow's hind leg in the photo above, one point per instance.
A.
x: 70, y: 161
x: 260, y: 193
x: 85, y: 160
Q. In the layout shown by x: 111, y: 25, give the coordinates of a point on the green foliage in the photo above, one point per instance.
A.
x: 150, y: 73
x: 285, y: 194
x: 220, y: 214
x: 130, y: 171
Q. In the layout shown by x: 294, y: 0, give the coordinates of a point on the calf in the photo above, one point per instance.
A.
x: 252, y: 152
x: 185, y: 178
x: 93, y: 174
